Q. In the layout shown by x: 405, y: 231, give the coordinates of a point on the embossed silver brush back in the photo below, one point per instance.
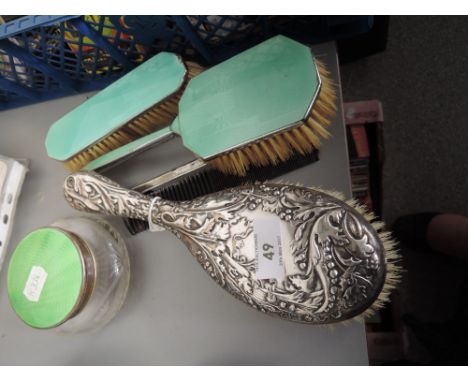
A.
x: 331, y: 259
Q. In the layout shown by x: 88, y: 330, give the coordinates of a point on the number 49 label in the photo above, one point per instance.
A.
x: 268, y: 248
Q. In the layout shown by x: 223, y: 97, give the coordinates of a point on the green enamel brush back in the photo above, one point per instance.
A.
x: 138, y: 90
x: 249, y: 96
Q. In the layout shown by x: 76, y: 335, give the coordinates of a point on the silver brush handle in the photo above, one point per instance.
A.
x: 294, y: 252
x: 91, y: 192
x: 131, y: 149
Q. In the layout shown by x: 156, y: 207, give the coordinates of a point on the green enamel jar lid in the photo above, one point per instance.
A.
x: 48, y: 277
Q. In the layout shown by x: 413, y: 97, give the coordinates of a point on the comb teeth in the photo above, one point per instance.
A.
x: 303, y: 138
x: 155, y: 118
x: 209, y: 180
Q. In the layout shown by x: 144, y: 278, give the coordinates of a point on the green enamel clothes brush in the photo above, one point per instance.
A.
x: 255, y: 109
x: 137, y: 104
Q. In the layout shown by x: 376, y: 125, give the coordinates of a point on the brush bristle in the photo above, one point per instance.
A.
x: 302, y: 139
x: 392, y: 258
x: 155, y: 118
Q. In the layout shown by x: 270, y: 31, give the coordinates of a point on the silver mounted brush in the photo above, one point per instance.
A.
x: 295, y: 252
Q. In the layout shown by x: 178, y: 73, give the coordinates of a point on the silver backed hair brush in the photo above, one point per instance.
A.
x: 298, y: 253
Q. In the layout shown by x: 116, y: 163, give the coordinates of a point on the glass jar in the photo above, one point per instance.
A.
x: 72, y: 275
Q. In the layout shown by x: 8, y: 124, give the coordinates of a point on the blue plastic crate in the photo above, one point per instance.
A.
x: 46, y: 57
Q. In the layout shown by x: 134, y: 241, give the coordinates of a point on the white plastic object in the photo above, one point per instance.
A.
x: 12, y: 174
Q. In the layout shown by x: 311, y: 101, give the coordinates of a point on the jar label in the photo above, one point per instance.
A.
x: 268, y: 248
x: 35, y: 283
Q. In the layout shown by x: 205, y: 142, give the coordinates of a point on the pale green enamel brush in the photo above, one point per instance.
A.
x: 137, y: 104
x: 255, y: 109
